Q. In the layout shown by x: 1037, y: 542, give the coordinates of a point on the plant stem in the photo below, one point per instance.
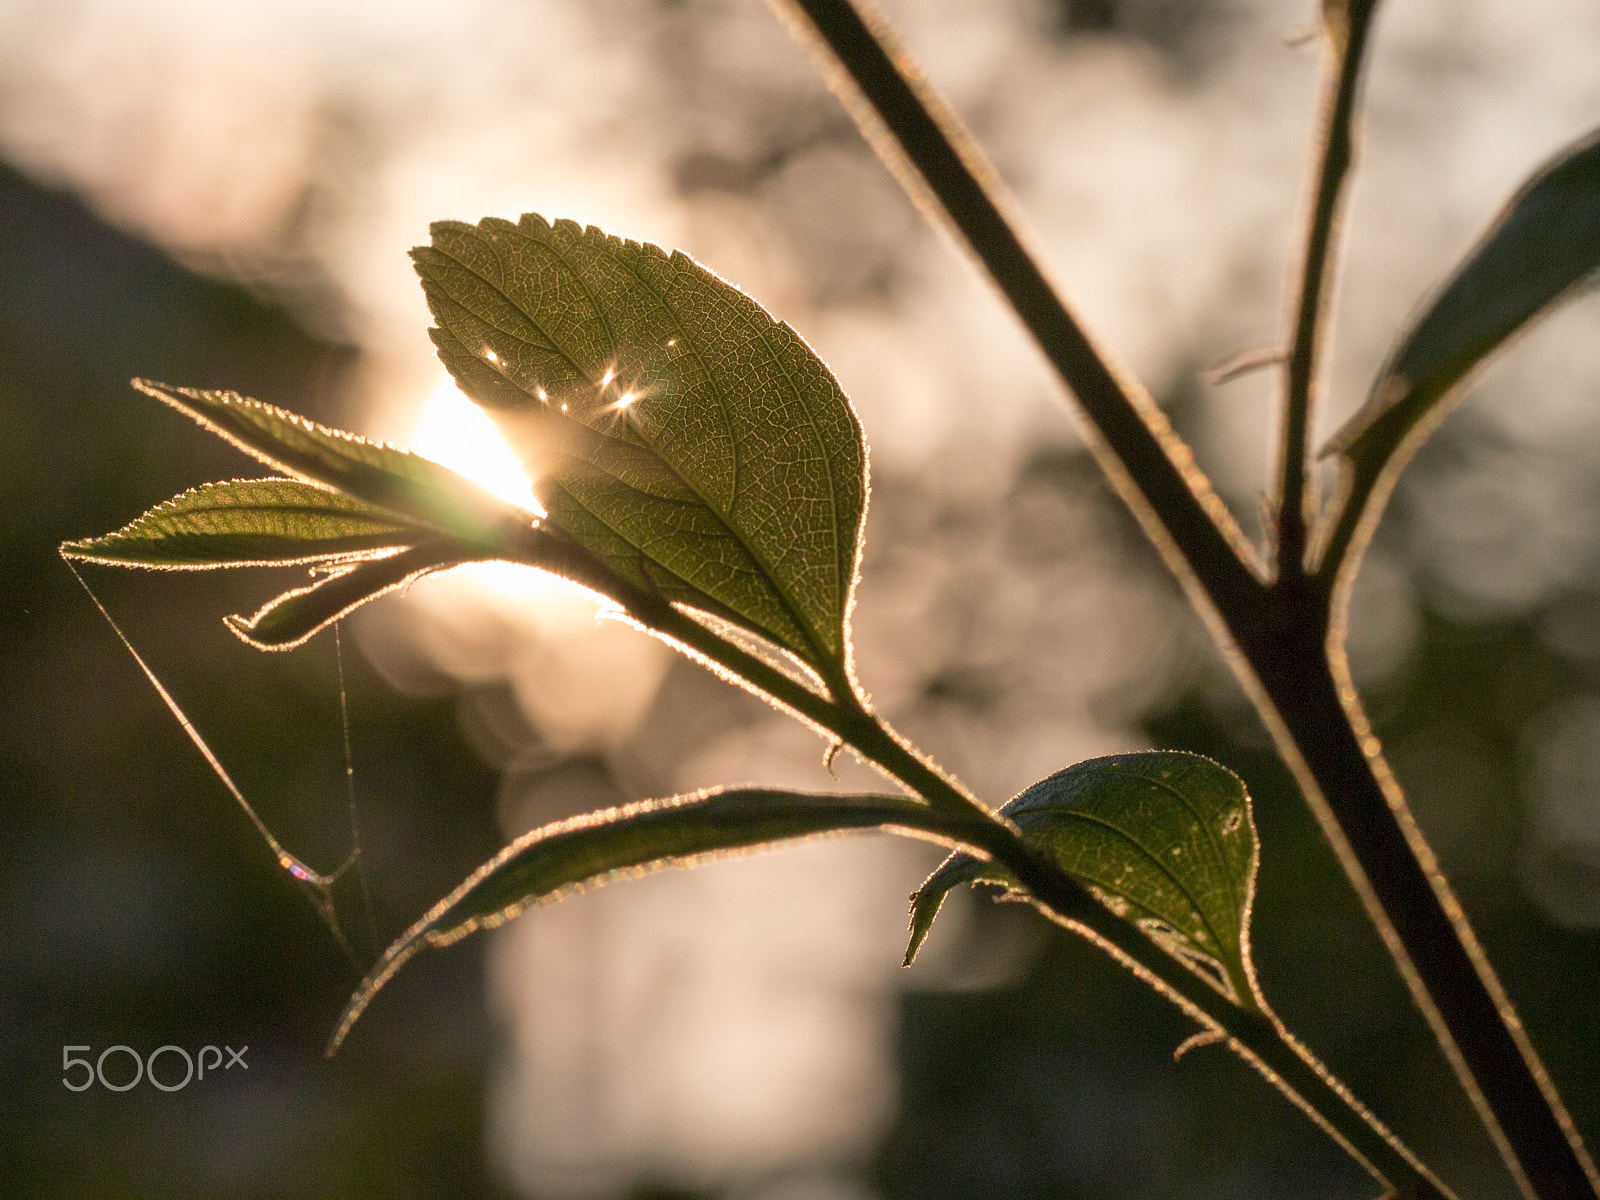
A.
x: 1330, y: 748
x: 1415, y: 905
x: 1272, y: 640
x: 1351, y: 519
x: 1257, y: 1037
x: 1345, y: 28
x: 923, y: 144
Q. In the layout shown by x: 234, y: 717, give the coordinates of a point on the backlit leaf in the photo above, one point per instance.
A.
x: 672, y: 427
x: 1544, y: 244
x: 634, y: 840
x: 412, y: 488
x: 248, y: 522
x: 1164, y: 839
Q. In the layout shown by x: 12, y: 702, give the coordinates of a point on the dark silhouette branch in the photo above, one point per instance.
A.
x: 922, y: 142
x: 1285, y: 645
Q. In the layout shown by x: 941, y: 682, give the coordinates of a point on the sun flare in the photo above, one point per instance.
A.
x: 456, y: 433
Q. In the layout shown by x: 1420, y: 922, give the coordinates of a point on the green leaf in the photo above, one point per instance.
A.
x: 292, y: 618
x: 1165, y: 839
x: 412, y: 488
x: 248, y: 522
x: 673, y: 428
x: 1540, y: 248
x: 625, y: 842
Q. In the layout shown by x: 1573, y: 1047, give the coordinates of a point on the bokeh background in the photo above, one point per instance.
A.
x: 221, y: 194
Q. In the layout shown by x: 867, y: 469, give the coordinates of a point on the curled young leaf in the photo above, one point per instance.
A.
x: 294, y: 617
x: 547, y: 863
x: 1164, y: 839
x: 248, y: 522
x: 673, y: 428
x: 414, y: 489
x: 1541, y: 247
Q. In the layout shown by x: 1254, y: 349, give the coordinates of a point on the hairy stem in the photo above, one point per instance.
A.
x: 1259, y: 1038
x: 922, y: 142
x: 1420, y: 918
x: 1272, y: 639
x: 1345, y: 29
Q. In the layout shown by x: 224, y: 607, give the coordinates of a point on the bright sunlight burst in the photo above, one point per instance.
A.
x: 456, y: 433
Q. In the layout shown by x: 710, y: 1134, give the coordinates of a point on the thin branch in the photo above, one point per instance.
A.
x: 1345, y: 29
x: 923, y: 143
x: 1259, y: 1038
x: 1418, y: 914
x: 1352, y: 516
x: 1338, y: 763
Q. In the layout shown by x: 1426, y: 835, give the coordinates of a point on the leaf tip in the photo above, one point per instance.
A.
x: 925, y: 904
x: 154, y: 387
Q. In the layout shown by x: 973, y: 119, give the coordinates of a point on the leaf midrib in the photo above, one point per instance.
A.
x: 1161, y: 866
x: 327, y: 514
x: 794, y: 391
x: 1210, y: 834
x: 646, y: 557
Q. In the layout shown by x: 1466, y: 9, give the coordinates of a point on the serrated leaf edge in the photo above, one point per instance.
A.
x: 839, y: 662
x: 83, y: 549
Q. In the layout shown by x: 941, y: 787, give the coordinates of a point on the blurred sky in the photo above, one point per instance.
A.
x: 737, y: 1023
